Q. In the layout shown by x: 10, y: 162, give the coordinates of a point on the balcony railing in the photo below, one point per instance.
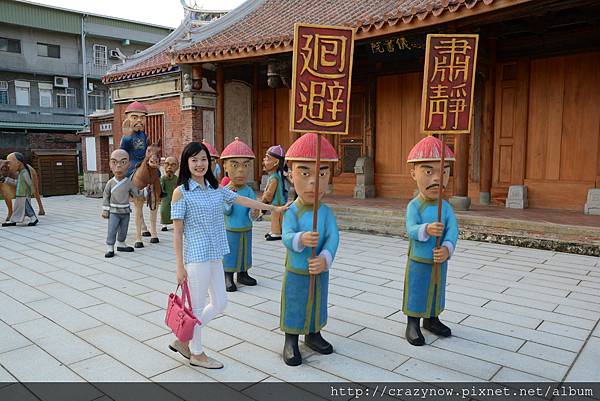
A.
x: 36, y: 114
x: 96, y: 71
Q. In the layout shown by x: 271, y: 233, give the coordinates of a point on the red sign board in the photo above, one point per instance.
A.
x: 322, y: 72
x: 448, y: 83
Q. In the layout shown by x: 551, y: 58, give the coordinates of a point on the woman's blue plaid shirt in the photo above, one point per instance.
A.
x: 201, y: 209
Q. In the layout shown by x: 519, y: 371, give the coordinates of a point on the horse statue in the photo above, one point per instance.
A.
x: 146, y: 177
x: 8, y: 191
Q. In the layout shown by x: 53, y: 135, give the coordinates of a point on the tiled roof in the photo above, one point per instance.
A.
x: 153, y: 60
x: 270, y: 24
x: 155, y: 64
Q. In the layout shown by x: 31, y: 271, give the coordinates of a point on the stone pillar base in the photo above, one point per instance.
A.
x: 94, y: 182
x: 592, y: 206
x: 517, y: 197
x: 485, y: 198
x: 364, y: 191
x: 460, y: 202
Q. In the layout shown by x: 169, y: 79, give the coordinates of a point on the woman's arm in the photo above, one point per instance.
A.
x: 253, y: 204
x: 178, y: 240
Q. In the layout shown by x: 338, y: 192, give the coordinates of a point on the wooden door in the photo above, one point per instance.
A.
x: 155, y: 128
x: 352, y: 146
x: 510, y: 129
x: 58, y: 174
x: 563, y: 130
x: 397, y: 131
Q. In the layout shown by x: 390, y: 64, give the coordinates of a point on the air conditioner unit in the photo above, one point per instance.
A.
x: 61, y: 82
x: 114, y: 53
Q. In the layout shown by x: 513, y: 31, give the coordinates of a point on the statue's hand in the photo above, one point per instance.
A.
x: 441, y: 254
x: 127, y: 128
x: 317, y: 265
x: 105, y: 214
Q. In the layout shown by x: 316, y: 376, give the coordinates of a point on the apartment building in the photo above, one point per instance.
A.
x: 51, y: 64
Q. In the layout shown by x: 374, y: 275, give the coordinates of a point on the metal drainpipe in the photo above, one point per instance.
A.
x: 84, y: 62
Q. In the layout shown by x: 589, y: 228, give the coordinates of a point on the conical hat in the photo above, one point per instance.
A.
x: 237, y: 148
x: 211, y: 149
x: 305, y: 149
x: 136, y: 107
x: 429, y: 149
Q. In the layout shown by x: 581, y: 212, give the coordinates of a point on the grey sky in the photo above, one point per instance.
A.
x: 159, y: 12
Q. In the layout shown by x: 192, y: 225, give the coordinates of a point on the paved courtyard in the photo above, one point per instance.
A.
x: 69, y: 314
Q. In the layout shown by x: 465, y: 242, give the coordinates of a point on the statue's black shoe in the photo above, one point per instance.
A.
x: 146, y: 234
x: 291, y: 352
x: 125, y: 249
x: 244, y: 278
x: 271, y: 237
x: 9, y: 224
x: 33, y: 223
x: 139, y: 244
x: 436, y: 327
x: 109, y: 254
x: 413, y: 332
x: 317, y: 343
x: 229, y: 284
x: 164, y: 229
x: 154, y: 240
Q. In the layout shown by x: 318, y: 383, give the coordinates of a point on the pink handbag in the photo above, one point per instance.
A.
x: 180, y: 318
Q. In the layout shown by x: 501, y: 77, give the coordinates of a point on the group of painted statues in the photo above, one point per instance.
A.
x: 211, y: 250
x: 136, y: 175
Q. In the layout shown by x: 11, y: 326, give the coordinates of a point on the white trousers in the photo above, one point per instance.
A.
x: 202, y: 278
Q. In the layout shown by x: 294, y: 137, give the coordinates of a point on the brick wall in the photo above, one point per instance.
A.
x: 54, y: 140
x: 181, y: 127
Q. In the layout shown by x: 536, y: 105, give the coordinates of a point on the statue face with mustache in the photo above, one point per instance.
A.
x: 428, y: 177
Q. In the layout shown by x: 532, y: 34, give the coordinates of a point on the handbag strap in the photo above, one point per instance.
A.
x: 185, y: 291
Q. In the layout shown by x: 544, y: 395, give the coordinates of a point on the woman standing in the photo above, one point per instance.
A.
x: 200, y: 242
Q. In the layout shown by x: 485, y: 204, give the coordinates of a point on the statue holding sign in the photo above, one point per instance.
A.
x: 304, y: 311
x: 426, y: 268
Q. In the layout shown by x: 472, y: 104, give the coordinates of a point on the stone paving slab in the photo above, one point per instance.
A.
x: 517, y: 314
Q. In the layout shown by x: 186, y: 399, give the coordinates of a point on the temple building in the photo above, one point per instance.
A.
x: 537, y: 94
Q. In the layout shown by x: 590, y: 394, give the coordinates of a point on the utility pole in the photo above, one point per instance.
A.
x: 84, y: 62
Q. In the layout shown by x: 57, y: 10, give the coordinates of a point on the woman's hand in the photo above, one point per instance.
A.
x: 282, y: 209
x: 181, y: 275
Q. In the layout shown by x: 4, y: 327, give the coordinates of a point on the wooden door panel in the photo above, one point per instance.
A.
x: 581, y: 118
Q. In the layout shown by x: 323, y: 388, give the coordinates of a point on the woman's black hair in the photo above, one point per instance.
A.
x: 190, y: 150
x: 19, y: 156
x: 281, y: 169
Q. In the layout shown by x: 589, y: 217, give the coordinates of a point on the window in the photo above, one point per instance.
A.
x: 66, y: 99
x: 3, y: 92
x: 96, y: 100
x: 45, y: 94
x: 46, y: 50
x: 10, y: 45
x: 100, y: 55
x: 22, y: 93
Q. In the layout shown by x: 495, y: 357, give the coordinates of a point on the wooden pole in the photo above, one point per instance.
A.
x: 487, y: 132
x: 220, y: 123
x: 311, y: 286
x: 436, y: 266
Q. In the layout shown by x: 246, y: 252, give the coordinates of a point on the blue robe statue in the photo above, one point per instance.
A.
x: 238, y: 227
x: 424, y: 297
x: 299, y: 314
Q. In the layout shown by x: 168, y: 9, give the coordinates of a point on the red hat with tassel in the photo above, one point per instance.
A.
x: 237, y: 148
x: 211, y: 149
x: 136, y: 107
x: 429, y: 149
x: 305, y: 149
